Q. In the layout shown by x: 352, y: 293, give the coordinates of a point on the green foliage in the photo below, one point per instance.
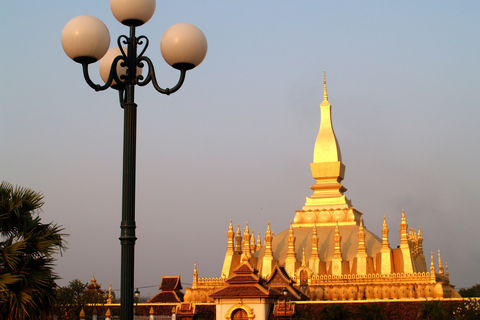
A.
x: 471, y: 292
x: 468, y: 310
x: 371, y: 311
x: 27, y: 279
x: 336, y: 312
x: 432, y: 310
x: 74, y: 297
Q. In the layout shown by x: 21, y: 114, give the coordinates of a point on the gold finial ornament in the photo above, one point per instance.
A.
x: 325, y: 96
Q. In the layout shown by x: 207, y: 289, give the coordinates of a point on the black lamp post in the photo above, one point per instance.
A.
x: 86, y: 39
x: 285, y: 293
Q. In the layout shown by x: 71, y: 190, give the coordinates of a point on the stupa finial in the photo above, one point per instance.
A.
x: 325, y: 96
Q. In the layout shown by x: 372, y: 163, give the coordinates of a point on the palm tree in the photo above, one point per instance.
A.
x: 27, y: 279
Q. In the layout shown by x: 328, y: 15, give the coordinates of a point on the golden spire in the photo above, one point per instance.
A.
x: 246, y: 244
x: 362, y: 250
x: 327, y: 169
x: 314, y: 254
x: 446, y: 269
x: 432, y: 266
x: 404, y: 231
x: 253, y: 244
x: 440, y: 267
x: 108, y: 314
x: 291, y: 243
x: 195, y: 275
x: 238, y: 241
x: 109, y: 298
x: 152, y: 312
x: 337, y: 253
x: 385, y: 244
x: 259, y: 241
x: 268, y: 242
x: 326, y: 146
x: 291, y: 259
x: 230, y: 235
x: 304, y: 261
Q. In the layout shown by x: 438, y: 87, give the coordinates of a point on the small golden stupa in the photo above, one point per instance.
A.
x: 327, y: 251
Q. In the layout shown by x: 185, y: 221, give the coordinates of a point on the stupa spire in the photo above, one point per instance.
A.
x: 110, y: 296
x: 291, y: 259
x: 440, y: 267
x: 238, y: 240
x: 432, y: 267
x: 253, y: 244
x: 230, y: 235
x: 246, y: 243
x: 337, y: 253
x: 268, y: 242
x: 328, y: 171
x: 326, y: 146
x: 195, y: 275
x: 267, y: 265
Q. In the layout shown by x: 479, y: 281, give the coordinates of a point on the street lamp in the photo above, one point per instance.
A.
x: 285, y: 292
x: 137, y: 297
x: 86, y: 39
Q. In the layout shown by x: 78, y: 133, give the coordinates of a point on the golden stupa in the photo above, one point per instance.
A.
x: 327, y: 251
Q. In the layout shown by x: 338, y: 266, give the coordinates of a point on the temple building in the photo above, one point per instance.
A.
x: 326, y: 253
x: 93, y: 286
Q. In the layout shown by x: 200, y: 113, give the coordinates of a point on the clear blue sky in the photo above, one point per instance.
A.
x: 237, y: 140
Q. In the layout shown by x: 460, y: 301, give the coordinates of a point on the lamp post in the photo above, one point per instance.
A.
x: 285, y: 292
x: 86, y: 39
x: 137, y: 296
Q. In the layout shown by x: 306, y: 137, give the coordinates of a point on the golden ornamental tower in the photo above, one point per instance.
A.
x: 327, y: 204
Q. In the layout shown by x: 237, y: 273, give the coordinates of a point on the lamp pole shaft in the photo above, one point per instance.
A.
x: 127, y: 237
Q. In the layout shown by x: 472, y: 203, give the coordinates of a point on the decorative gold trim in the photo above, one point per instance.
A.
x: 250, y: 312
